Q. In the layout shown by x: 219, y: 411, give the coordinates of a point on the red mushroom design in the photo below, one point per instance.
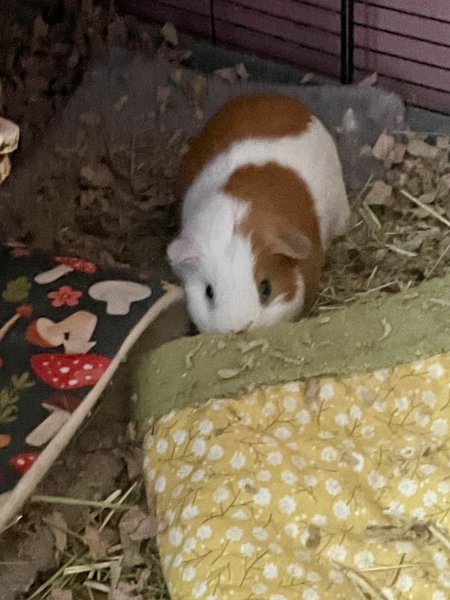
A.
x: 66, y: 264
x: 22, y: 461
x: 69, y: 371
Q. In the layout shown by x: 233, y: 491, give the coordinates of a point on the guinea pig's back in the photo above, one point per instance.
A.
x: 243, y: 118
x: 262, y: 129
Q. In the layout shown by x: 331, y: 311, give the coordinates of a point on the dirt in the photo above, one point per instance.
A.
x: 98, y: 201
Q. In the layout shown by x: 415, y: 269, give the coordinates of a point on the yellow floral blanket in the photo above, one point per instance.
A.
x: 331, y: 487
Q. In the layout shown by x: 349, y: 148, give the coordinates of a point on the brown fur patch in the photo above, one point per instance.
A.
x: 244, y: 117
x: 280, y: 202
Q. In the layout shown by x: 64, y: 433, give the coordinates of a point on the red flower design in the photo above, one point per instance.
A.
x: 65, y: 296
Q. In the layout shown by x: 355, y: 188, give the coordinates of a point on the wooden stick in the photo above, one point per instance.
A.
x: 16, y: 498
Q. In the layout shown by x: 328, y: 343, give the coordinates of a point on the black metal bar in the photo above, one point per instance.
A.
x: 347, y: 41
x: 213, y: 21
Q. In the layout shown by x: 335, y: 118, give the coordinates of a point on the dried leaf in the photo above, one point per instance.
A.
x: 58, y: 527
x: 227, y: 74
x: 383, y: 146
x: 125, y: 591
x: 60, y: 594
x: 169, y: 33
x: 418, y: 147
x: 368, y: 81
x: 242, y: 72
x: 96, y: 542
x: 379, y: 194
x: 98, y: 176
x: 197, y: 87
x: 90, y: 118
x: 307, y: 77
x: 120, y: 103
x: 138, y: 525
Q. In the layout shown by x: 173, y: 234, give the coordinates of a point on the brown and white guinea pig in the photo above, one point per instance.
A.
x: 263, y: 196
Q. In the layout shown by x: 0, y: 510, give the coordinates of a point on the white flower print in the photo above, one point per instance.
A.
x: 199, y: 447
x: 234, y: 534
x: 282, y: 433
x: 274, y: 458
x: 204, y: 532
x: 329, y: 454
x: 264, y: 475
x: 407, y: 487
x: 292, y: 530
x: 239, y: 515
x: 287, y: 505
x: 260, y: 534
x: 342, y: 419
x: 364, y: 559
x: 435, y: 370
x: 311, y: 480
x: 270, y: 571
x: 310, y: 594
x: 355, y: 412
x: 288, y: 477
x: 430, y: 498
x: 333, y: 487
x: 444, y: 486
x: 394, y: 509
x: 184, y: 471
x: 337, y: 552
x: 215, y: 452
x: 222, y: 494
x: 189, y: 573
x: 238, y: 460
x: 262, y: 497
x: 319, y: 520
x: 198, y: 475
x: 404, y: 583
x: 439, y: 595
x: 341, y: 509
x: 429, y: 398
x: 199, y: 589
x: 376, y: 480
x: 295, y: 570
x: 161, y: 446
x: 303, y: 417
x: 444, y: 578
x: 402, y: 403
x: 439, y: 427
x: 189, y: 511
x: 290, y: 404
x: 248, y: 549
x: 179, y: 436
x: 259, y: 588
x: 175, y: 536
x: 326, y: 391
x: 190, y: 544
x: 160, y: 484
x: 205, y: 427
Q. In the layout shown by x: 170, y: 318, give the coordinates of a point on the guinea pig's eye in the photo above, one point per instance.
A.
x: 209, y: 291
x: 264, y: 289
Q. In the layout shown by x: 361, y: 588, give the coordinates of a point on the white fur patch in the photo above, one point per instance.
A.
x: 226, y: 260
x: 311, y: 154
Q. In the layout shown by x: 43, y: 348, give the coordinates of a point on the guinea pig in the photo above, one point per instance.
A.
x: 263, y: 195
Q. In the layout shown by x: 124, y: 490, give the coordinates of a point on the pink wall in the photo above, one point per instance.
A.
x: 407, y: 42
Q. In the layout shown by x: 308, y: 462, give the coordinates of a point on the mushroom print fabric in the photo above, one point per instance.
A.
x: 56, y: 341
x: 332, y: 487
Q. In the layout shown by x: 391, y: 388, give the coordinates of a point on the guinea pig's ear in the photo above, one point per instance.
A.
x: 183, y: 252
x: 293, y: 244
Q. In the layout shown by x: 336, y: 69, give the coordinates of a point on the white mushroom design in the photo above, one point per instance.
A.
x: 119, y: 295
x: 9, y: 140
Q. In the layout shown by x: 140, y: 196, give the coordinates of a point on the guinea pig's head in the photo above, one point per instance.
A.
x: 235, y: 281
